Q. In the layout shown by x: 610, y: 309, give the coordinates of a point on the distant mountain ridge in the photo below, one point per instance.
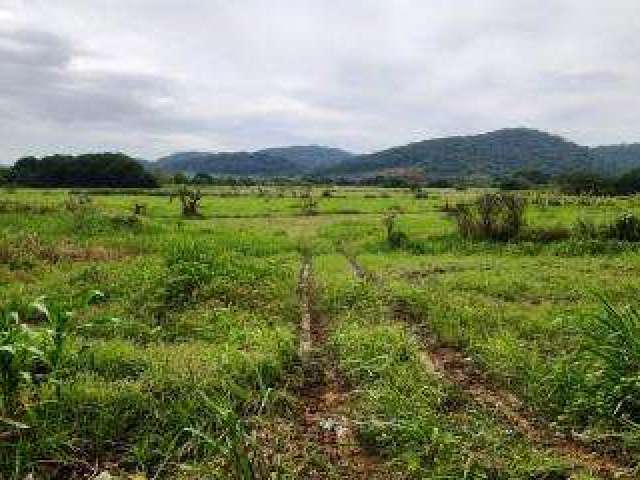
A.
x: 493, y: 154
x: 285, y: 161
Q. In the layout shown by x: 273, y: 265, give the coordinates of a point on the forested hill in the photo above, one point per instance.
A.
x: 283, y: 161
x: 618, y: 158
x: 492, y: 154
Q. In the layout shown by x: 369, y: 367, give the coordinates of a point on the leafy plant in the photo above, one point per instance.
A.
x: 27, y: 354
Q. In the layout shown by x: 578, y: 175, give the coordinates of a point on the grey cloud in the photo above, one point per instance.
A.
x: 38, y: 78
x: 591, y: 81
x: 154, y: 76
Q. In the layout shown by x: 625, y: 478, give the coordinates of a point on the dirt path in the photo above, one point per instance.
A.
x: 455, y: 367
x: 325, y: 421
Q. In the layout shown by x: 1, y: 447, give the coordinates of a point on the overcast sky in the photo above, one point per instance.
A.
x: 149, y: 77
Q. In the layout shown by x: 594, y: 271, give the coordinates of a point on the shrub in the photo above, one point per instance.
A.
x: 585, y: 183
x: 492, y: 216
x: 395, y: 239
x: 421, y: 194
x: 586, y: 228
x: 513, y: 183
x: 547, y: 234
x: 10, y: 206
x: 308, y: 204
x: 190, y: 201
x: 629, y: 183
x: 625, y: 227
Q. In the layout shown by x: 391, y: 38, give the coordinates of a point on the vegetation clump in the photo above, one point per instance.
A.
x: 625, y: 227
x: 395, y: 238
x: 492, y: 216
x: 190, y: 201
x: 610, y: 350
x: 308, y: 204
x: 28, y: 354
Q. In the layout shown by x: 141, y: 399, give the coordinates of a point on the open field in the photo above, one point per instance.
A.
x: 270, y: 338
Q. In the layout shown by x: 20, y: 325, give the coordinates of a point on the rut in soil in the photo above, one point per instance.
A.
x: 454, y: 366
x: 326, y: 421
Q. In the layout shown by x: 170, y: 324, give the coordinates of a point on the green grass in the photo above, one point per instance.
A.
x: 185, y: 330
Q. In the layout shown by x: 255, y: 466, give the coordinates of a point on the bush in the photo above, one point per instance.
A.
x: 586, y: 228
x: 395, y: 239
x: 626, y: 227
x: 190, y: 201
x: 547, y: 234
x: 513, y: 183
x: 629, y: 183
x: 585, y: 183
x: 308, y: 204
x: 492, y: 216
x: 421, y: 194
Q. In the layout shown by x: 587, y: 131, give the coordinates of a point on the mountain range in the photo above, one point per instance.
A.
x: 284, y: 161
x: 494, y: 154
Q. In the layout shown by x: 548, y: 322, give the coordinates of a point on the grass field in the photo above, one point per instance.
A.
x: 269, y: 339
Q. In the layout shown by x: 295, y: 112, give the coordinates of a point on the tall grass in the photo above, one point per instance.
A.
x: 625, y: 227
x: 492, y: 216
x: 612, y: 341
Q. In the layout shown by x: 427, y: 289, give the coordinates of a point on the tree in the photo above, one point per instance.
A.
x: 589, y: 183
x: 90, y: 170
x: 4, y: 175
x: 180, y: 179
x: 202, y: 179
x: 628, y: 183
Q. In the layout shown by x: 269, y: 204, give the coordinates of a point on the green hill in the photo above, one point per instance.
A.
x: 491, y: 154
x: 285, y: 161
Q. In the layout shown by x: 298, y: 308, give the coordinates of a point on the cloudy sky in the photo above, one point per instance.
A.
x: 150, y: 77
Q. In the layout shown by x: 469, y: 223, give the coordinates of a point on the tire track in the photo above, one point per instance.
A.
x: 454, y: 366
x: 325, y: 421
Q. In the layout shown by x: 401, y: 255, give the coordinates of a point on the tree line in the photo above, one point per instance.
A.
x: 88, y: 170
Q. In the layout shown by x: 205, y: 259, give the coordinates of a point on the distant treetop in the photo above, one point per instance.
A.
x: 90, y: 170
